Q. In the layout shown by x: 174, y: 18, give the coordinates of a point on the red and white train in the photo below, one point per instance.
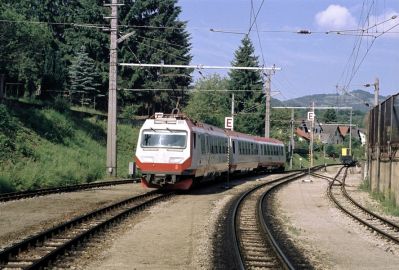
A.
x: 174, y: 152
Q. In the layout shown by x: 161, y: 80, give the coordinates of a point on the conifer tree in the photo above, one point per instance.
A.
x: 162, y: 39
x: 248, y: 102
x: 84, y: 78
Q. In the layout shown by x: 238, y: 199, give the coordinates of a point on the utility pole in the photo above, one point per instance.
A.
x: 267, y: 93
x: 376, y: 85
x: 312, y: 137
x: 350, y: 133
x: 376, y: 91
x: 232, y: 108
x: 112, y: 95
x: 292, y: 138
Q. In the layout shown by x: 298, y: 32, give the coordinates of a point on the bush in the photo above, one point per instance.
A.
x: 61, y: 104
x: 5, y: 185
x: 130, y: 111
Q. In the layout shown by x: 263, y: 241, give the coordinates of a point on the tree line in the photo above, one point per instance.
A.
x: 61, y: 48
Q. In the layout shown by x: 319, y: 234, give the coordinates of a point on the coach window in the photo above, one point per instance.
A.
x: 195, y: 140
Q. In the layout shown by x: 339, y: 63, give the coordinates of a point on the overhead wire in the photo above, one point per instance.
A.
x: 256, y: 16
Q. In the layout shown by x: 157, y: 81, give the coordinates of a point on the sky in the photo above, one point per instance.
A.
x: 310, y: 63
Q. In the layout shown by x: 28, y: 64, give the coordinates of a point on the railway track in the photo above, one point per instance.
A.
x: 41, y: 192
x: 41, y: 250
x: 338, y: 194
x: 255, y: 245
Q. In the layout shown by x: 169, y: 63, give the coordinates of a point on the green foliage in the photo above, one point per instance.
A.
x: 84, y: 78
x: 61, y: 104
x: 245, y: 79
x: 52, y: 149
x: 330, y: 116
x: 207, y: 106
x: 333, y: 150
x: 365, y: 185
x: 130, y: 111
x: 154, y: 45
x: 388, y: 203
x: 47, y: 58
x: 249, y: 102
x: 22, y: 48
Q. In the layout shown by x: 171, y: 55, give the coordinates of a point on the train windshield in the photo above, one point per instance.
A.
x: 164, y: 138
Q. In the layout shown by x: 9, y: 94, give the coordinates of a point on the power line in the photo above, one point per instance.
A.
x: 256, y: 16
x: 188, y: 90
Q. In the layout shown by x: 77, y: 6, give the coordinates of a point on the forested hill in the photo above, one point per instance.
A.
x: 355, y: 99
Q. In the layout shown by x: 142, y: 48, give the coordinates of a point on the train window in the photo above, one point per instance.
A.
x: 195, y: 140
x: 164, y: 138
x: 234, y: 148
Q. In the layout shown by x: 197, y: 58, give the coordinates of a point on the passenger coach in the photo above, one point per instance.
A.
x: 174, y: 152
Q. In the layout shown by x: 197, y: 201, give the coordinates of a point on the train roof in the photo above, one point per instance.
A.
x: 256, y: 138
x: 193, y: 123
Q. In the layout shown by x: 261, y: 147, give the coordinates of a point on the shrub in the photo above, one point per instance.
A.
x: 61, y: 104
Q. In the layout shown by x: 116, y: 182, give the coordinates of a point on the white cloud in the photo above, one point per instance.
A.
x: 335, y: 17
x: 385, y: 22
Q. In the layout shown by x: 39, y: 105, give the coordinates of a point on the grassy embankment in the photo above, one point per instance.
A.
x: 48, y: 147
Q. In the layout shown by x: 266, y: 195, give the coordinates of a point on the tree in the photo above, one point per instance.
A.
x: 39, y: 54
x: 162, y: 39
x: 330, y: 116
x: 209, y: 107
x: 84, y: 78
x: 22, y: 48
x: 248, y: 102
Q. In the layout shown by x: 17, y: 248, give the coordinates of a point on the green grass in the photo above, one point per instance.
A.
x: 46, y: 148
x: 388, y: 203
x: 303, y: 160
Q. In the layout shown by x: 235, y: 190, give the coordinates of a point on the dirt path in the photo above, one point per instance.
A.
x: 331, y: 239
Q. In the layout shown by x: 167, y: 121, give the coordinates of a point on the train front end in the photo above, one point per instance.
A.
x: 163, y: 153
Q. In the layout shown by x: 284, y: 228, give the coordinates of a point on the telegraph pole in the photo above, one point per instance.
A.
x: 312, y: 137
x: 112, y: 95
x: 350, y: 133
x: 376, y: 91
x: 232, y: 108
x: 267, y: 93
x: 292, y: 138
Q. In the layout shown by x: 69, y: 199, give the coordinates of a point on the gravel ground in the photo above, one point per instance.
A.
x: 177, y: 234
x: 19, y: 219
x: 183, y: 232
x: 329, y: 238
